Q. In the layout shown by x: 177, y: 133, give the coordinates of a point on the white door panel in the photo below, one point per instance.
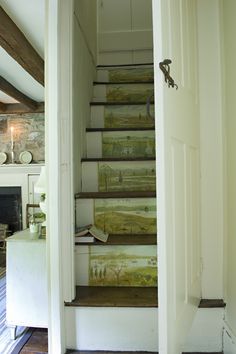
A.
x: 177, y: 122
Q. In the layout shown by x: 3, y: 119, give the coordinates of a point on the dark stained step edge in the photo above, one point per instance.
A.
x: 111, y: 296
x: 122, y: 82
x: 119, y: 159
x: 91, y: 130
x: 211, y: 303
x: 98, y: 195
x: 101, y: 103
x: 71, y: 351
x: 124, y: 239
x: 122, y: 65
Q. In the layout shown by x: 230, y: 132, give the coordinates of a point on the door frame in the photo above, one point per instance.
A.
x: 59, y: 166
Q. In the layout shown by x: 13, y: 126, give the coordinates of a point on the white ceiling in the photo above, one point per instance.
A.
x: 29, y: 16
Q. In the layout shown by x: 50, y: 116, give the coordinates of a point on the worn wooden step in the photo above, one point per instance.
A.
x: 118, y: 175
x: 125, y: 239
x: 139, y: 81
x: 92, y: 130
x: 114, y: 195
x: 126, y: 73
x: 96, y: 296
x: 124, y: 92
x: 121, y: 144
x: 71, y: 351
x: 123, y: 103
x: 212, y: 303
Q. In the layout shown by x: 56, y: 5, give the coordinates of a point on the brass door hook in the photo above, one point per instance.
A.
x: 165, y: 68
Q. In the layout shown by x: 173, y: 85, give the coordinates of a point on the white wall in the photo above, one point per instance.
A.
x: 85, y: 57
x: 229, y: 14
x: 211, y: 135
x: 125, y: 31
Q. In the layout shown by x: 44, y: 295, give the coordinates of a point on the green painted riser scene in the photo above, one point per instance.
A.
x: 129, y: 116
x: 124, y: 92
x: 122, y: 266
x: 126, y: 176
x: 128, y: 144
x: 126, y: 74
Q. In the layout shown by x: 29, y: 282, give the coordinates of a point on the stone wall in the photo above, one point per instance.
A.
x: 28, y: 135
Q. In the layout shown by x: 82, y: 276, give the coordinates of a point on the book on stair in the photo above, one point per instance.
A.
x: 90, y: 233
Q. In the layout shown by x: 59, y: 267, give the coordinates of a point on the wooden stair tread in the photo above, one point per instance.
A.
x: 119, y: 159
x: 96, y: 195
x: 122, y: 103
x: 111, y: 296
x: 91, y: 130
x: 122, y: 65
x: 125, y: 239
x: 122, y: 82
x: 71, y: 351
x: 211, y: 303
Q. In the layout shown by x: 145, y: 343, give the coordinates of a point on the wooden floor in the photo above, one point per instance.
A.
x: 38, y: 342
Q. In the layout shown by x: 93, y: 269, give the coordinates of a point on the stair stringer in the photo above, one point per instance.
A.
x: 112, y: 328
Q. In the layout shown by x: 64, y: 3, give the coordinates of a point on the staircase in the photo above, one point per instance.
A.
x: 116, y: 295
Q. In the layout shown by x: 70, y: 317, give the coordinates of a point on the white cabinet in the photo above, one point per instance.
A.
x: 26, y: 281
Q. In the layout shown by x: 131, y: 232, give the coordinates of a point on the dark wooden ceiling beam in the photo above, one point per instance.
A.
x: 13, y: 92
x: 2, y: 107
x: 18, y: 108
x: 18, y: 47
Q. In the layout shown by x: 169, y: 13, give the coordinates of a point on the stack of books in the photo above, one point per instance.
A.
x: 89, y: 234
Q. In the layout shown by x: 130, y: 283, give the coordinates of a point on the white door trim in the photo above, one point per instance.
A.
x: 59, y: 158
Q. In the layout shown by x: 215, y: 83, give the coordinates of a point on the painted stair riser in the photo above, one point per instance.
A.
x: 118, y: 216
x: 122, y: 116
x: 116, y: 265
x: 136, y: 329
x: 113, y: 329
x: 125, y: 74
x: 121, y: 144
x: 118, y: 176
x: 123, y: 92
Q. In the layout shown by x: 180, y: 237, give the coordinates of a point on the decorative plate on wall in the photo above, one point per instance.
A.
x: 25, y: 157
x: 3, y: 157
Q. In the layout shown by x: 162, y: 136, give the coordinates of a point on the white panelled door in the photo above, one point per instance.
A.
x: 177, y: 127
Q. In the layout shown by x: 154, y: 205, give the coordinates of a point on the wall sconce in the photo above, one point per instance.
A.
x: 40, y: 188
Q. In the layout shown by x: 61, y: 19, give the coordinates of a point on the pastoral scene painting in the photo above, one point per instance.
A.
x: 132, y: 116
x: 128, y: 144
x: 130, y: 75
x: 126, y: 216
x: 123, y: 266
x: 123, y: 176
x: 130, y: 92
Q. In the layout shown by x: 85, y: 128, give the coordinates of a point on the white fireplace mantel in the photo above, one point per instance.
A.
x: 19, y: 175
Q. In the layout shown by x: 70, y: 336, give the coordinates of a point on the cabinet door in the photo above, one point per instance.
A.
x: 33, y: 198
x: 177, y: 129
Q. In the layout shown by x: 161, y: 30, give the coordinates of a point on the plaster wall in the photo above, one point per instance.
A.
x: 229, y: 12
x: 84, y: 59
x: 125, y: 32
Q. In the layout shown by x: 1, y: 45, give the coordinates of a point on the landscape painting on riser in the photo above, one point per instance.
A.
x: 123, y: 266
x: 126, y: 216
x: 131, y: 116
x: 129, y: 93
x: 130, y: 75
x: 123, y: 176
x: 128, y: 144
